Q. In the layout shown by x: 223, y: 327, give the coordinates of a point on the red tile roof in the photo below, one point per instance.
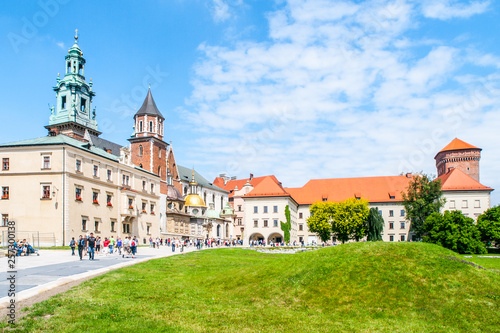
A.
x: 457, y: 180
x: 374, y: 189
x: 231, y: 184
x: 267, y: 187
x: 457, y: 144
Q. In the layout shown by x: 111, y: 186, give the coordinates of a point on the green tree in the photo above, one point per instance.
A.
x: 454, y: 231
x: 375, y: 225
x: 286, y: 226
x: 349, y: 219
x: 488, y: 224
x: 320, y: 219
x: 422, y: 198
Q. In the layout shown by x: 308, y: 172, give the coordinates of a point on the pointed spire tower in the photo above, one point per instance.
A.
x: 149, y: 151
x: 73, y: 114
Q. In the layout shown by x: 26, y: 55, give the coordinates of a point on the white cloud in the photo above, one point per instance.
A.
x: 337, y: 95
x: 447, y: 9
x: 221, y: 10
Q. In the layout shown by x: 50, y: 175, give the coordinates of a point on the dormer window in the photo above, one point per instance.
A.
x: 63, y: 102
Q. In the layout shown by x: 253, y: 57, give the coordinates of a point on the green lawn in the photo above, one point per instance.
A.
x: 391, y: 287
x: 489, y: 263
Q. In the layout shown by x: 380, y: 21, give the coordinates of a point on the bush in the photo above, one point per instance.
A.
x: 454, y: 231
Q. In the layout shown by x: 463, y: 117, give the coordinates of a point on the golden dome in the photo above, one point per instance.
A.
x: 194, y: 200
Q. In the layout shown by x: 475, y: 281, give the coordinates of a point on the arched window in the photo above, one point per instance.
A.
x: 140, y: 150
x: 140, y: 165
x: 218, y: 230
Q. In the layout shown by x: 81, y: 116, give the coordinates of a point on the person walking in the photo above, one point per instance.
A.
x: 119, y: 245
x: 97, y: 244
x: 91, y: 245
x: 133, y: 246
x: 72, y: 245
x: 111, y: 244
x: 81, y: 246
x: 105, y: 246
x: 173, y: 245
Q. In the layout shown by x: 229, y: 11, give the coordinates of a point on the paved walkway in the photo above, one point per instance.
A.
x: 37, y: 274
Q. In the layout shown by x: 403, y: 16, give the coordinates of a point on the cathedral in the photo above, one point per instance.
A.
x: 73, y: 182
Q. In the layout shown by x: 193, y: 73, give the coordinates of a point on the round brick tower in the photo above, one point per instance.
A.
x: 460, y: 155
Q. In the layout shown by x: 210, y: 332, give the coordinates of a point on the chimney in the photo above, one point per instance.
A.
x: 408, y: 175
x: 251, y: 176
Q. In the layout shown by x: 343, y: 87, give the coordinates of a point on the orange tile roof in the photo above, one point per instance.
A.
x: 374, y: 189
x: 267, y: 187
x: 231, y: 184
x: 457, y: 144
x: 457, y: 180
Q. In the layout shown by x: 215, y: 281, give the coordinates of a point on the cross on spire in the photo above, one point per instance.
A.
x: 76, y: 36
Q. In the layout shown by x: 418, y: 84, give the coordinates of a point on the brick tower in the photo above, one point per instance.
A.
x: 148, y: 149
x: 460, y: 155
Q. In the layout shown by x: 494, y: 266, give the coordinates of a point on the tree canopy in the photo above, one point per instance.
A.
x: 488, y: 224
x: 454, y: 231
x: 375, y: 225
x: 422, y: 198
x: 344, y: 220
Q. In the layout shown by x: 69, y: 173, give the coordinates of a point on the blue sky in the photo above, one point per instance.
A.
x: 300, y: 89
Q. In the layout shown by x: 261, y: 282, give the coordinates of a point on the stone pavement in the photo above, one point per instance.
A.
x: 53, y: 268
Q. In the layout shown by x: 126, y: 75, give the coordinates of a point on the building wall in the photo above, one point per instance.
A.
x: 61, y: 210
x: 471, y: 203
x: 467, y: 160
x: 261, y: 230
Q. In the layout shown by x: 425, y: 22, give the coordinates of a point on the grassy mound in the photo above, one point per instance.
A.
x: 393, y: 287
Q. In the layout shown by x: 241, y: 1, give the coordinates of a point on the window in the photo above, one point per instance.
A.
x: 96, y: 171
x: 380, y: 212
x: 84, y: 225
x: 78, y: 166
x: 5, y: 164
x: 265, y: 209
x: 255, y: 209
x: 465, y: 204
x: 275, y: 209
x: 152, y: 187
x: 300, y: 215
x: 144, y: 185
x: 140, y: 150
x: 140, y: 126
x: 402, y: 212
x: 95, y: 198
x: 148, y: 229
x: 78, y: 194
x: 143, y: 207
x: 83, y: 102
x: 403, y: 225
x: 240, y: 222
x: 239, y: 208
x: 5, y: 193
x: 96, y: 225
x: 159, y: 171
x: 275, y: 223
x: 452, y: 204
x: 325, y: 199
x: 151, y: 126
x: 108, y: 200
x: 477, y: 204
x: 255, y: 223
x: 126, y: 180
x: 45, y: 191
x: 159, y: 152
x: 403, y: 238
x: 185, y: 190
x: 152, y: 208
x: 126, y: 228
x: 265, y: 223
x: 301, y: 227
x: 391, y: 238
x: 46, y: 162
x: 391, y: 225
x: 63, y: 102
x: 130, y: 203
x: 108, y: 174
x: 391, y: 213
x: 5, y: 220
x: 113, y: 225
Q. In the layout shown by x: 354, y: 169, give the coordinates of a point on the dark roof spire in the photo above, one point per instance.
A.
x: 149, y: 107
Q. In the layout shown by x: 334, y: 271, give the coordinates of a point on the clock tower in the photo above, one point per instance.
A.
x: 72, y: 114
